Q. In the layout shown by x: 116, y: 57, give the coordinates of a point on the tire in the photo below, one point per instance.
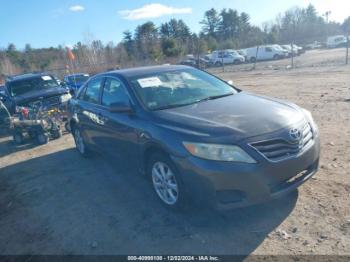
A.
x: 252, y: 59
x: 276, y: 57
x: 218, y: 64
x: 166, y: 182
x: 237, y: 62
x: 18, y: 138
x: 42, y: 138
x: 67, y: 127
x: 56, y: 134
x: 80, y: 143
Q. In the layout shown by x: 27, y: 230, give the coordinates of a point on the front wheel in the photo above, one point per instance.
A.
x: 276, y: 57
x: 166, y: 181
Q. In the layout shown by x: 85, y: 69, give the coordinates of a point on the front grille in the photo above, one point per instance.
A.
x: 279, y: 149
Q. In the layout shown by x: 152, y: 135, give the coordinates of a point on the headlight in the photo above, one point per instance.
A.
x: 65, y: 98
x: 310, y: 119
x: 219, y: 152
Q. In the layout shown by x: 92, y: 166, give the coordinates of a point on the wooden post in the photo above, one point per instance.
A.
x: 292, y: 47
x: 256, y: 56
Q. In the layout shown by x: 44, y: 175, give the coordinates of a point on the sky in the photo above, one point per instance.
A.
x: 45, y: 23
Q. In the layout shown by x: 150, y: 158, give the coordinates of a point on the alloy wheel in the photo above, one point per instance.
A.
x: 164, y: 183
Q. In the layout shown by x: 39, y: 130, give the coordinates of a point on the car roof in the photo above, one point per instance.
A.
x: 139, y: 71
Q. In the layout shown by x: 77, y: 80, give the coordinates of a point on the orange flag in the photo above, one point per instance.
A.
x: 70, y: 55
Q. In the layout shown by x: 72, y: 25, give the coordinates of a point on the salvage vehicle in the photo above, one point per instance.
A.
x: 22, y: 90
x: 336, y: 41
x: 192, y: 61
x: 267, y: 52
x: 224, y: 57
x: 38, y: 122
x: 195, y: 136
x: 75, y: 81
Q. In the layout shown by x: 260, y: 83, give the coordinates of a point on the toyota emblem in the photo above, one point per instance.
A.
x: 295, y: 134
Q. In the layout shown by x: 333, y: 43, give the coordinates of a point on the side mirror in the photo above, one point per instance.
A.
x: 120, y: 108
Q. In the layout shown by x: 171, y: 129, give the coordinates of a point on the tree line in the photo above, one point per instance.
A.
x: 149, y: 43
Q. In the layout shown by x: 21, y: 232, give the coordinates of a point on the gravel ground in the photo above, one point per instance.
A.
x: 52, y: 201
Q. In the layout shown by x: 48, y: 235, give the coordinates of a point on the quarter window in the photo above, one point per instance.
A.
x: 114, y: 93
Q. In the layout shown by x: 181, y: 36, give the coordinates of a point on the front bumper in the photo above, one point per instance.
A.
x: 232, y: 185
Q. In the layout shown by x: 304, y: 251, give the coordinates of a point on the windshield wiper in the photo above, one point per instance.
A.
x: 173, y: 106
x: 191, y: 103
x: 213, y: 97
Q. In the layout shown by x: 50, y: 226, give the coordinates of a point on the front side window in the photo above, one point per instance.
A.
x: 79, y: 79
x: 114, y: 92
x: 178, y: 88
x: 92, y: 92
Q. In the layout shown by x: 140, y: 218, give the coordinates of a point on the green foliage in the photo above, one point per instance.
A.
x: 170, y: 48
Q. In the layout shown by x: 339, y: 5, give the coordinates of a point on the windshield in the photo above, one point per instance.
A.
x: 277, y: 47
x: 178, y: 88
x: 33, y: 84
x: 79, y: 79
x: 234, y: 53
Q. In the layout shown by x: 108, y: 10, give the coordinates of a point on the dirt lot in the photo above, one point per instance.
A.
x: 52, y: 201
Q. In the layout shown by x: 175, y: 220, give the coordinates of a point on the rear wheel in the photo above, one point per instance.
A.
x: 80, y: 143
x: 67, y: 127
x: 218, y: 64
x: 166, y: 181
x: 18, y: 138
x: 237, y: 62
x: 252, y: 59
x: 42, y: 138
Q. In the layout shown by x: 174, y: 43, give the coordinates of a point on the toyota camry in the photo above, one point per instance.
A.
x: 195, y: 136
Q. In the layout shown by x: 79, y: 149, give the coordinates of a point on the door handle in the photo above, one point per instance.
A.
x: 101, y: 119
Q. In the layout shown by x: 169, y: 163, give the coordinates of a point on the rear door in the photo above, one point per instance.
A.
x: 118, y: 132
x: 87, y: 110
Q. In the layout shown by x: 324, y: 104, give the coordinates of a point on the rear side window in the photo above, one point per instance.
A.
x: 114, y: 92
x: 92, y: 92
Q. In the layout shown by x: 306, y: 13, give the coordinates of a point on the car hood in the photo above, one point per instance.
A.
x: 36, y: 95
x: 239, y: 116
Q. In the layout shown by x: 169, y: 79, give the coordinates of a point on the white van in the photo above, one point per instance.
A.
x: 336, y: 41
x: 265, y: 52
x: 228, y: 56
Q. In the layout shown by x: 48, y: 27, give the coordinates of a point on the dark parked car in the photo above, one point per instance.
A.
x: 22, y: 90
x: 195, y: 136
x: 75, y: 81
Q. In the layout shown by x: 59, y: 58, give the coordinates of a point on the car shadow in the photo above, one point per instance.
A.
x: 8, y: 146
x: 62, y: 203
